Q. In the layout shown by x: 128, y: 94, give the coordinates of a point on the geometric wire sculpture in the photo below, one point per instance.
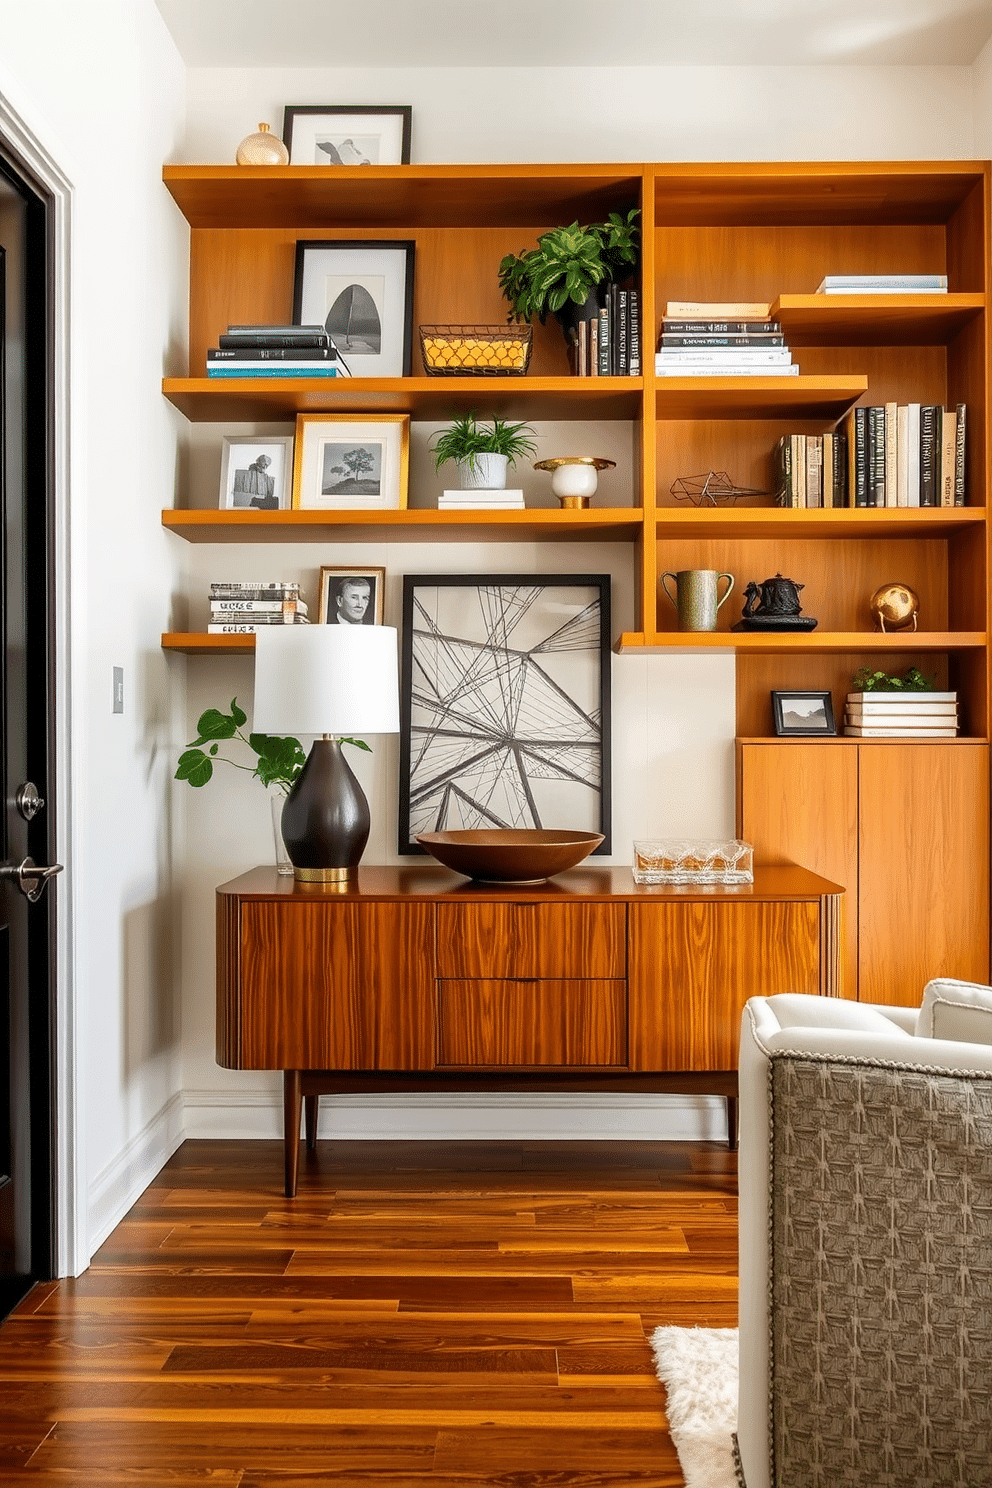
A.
x: 710, y: 489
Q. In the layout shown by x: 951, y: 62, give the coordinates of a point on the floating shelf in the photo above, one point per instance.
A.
x: 783, y: 642
x: 244, y: 400
x: 757, y: 397
x: 197, y: 643
x: 599, y: 524
x: 745, y: 522
x: 875, y: 320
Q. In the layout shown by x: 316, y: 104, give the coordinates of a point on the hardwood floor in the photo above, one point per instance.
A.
x: 463, y: 1315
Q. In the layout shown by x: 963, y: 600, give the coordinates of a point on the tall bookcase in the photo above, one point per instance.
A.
x: 711, y: 232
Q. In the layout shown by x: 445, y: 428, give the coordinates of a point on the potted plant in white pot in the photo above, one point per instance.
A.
x: 482, y: 452
x: 566, y: 273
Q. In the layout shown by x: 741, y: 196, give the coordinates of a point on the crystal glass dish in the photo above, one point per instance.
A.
x: 693, y: 860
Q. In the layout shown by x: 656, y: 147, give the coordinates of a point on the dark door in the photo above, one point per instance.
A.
x: 26, y: 828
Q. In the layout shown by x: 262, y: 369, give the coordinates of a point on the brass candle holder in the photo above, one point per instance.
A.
x: 574, y: 478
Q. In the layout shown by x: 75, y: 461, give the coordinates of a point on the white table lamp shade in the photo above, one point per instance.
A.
x: 326, y: 679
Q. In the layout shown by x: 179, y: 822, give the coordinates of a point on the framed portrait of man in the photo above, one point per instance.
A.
x: 351, y: 596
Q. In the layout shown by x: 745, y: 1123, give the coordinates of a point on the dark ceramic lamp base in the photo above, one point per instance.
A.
x: 325, y: 821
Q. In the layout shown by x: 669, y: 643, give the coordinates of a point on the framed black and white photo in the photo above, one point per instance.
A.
x: 362, y: 293
x: 347, y: 134
x: 505, y: 703
x: 351, y: 595
x: 803, y: 713
x: 256, y: 472
x: 345, y: 463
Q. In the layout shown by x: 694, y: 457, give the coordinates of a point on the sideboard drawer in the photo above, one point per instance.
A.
x: 503, y: 1023
x: 516, y: 939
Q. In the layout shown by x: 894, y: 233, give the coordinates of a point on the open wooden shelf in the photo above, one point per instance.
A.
x: 851, y: 741
x: 784, y: 522
x: 198, y: 643
x: 599, y: 524
x: 786, y: 642
x: 244, y: 400
x: 874, y: 320
x: 757, y: 397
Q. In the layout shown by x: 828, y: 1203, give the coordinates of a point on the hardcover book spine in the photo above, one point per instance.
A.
x: 273, y: 369
x: 784, y: 469
x: 902, y: 456
x: 258, y: 606
x: 771, y: 338
x: 582, y: 350
x: 913, y: 454
x: 604, y: 341
x: 876, y: 455
x: 613, y: 300
x: 948, y: 448
x: 799, y: 470
x: 251, y: 589
x: 814, y: 471
x: 857, y: 446
x: 891, y: 477
x: 719, y: 327
x: 593, y: 326
x: 634, y: 311
x: 829, y: 447
x: 623, y: 331
x: 959, y: 454
x: 842, y: 496
x: 246, y: 353
x: 930, y: 436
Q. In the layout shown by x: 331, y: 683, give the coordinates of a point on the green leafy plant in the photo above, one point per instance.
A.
x: 567, y: 264
x: 865, y: 680
x: 278, y: 761
x: 466, y: 439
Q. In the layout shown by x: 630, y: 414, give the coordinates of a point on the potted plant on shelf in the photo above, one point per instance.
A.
x: 565, y: 274
x: 482, y: 452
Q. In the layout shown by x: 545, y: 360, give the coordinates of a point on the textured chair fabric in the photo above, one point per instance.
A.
x: 865, y: 1244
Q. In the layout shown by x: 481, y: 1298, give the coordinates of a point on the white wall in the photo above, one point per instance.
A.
x: 673, y: 716
x: 982, y: 72
x: 102, y: 87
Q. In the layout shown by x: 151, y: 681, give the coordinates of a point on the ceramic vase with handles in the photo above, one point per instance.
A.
x: 697, y: 598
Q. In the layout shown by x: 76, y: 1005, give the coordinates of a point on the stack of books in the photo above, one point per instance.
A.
x: 609, y: 345
x: 811, y: 471
x: 238, y: 608
x: 906, y: 455
x: 721, y: 340
x: 873, y: 284
x: 275, y: 351
x: 478, y: 500
x: 898, y: 715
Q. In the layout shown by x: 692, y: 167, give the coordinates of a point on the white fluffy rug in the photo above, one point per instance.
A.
x: 698, y: 1367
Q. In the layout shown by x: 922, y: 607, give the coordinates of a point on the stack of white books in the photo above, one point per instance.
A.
x: 480, y: 500
x: 742, y: 343
x: 901, y: 715
x: 873, y: 284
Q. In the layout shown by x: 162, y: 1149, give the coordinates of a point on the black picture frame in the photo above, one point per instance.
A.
x: 542, y: 702
x: 401, y: 111
x: 790, y: 708
x: 392, y: 258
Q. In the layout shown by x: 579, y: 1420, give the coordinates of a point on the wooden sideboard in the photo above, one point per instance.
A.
x: 415, y: 978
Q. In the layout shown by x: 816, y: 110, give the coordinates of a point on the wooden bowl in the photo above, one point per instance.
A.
x: 527, y: 855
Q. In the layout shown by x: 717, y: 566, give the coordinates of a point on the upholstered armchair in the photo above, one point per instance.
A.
x: 866, y: 1242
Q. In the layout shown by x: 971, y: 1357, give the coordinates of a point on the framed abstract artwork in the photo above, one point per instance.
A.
x: 505, y: 703
x: 347, y: 133
x: 361, y: 291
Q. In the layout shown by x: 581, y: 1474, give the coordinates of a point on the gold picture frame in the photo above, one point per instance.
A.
x: 344, y: 463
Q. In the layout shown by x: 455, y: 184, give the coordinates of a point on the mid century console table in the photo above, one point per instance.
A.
x: 416, y: 979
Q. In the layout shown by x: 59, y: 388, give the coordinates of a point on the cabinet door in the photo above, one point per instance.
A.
x: 329, y: 986
x: 924, y: 868
x: 798, y: 803
x: 694, y: 965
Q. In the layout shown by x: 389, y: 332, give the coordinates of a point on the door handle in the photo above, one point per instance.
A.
x: 31, y: 879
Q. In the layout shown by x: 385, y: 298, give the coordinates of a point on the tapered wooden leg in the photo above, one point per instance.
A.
x: 311, y: 1106
x: 291, y: 1104
x: 732, y: 1122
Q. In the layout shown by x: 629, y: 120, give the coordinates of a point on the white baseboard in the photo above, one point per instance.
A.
x: 122, y: 1182
x: 459, y: 1115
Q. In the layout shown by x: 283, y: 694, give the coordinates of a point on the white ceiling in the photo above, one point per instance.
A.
x: 575, y: 33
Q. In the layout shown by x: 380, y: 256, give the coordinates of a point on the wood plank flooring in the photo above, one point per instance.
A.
x: 418, y: 1315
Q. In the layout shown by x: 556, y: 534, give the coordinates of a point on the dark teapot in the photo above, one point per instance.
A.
x: 777, y: 596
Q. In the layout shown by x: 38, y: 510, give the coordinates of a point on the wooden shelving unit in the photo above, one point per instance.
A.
x: 602, y: 524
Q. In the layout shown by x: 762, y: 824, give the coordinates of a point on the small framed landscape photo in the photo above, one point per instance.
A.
x: 347, y: 134
x: 352, y: 596
x: 345, y: 463
x: 256, y: 472
x: 803, y: 713
x: 361, y: 291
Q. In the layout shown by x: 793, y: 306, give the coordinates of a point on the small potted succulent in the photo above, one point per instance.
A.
x: 482, y: 452
x: 565, y: 274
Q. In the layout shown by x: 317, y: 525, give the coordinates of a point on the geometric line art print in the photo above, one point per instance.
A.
x: 506, y: 703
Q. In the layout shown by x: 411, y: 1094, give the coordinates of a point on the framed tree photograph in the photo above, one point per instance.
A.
x: 351, y: 596
x: 803, y: 713
x: 349, y: 464
x: 362, y: 293
x: 256, y: 472
x: 347, y: 134
x: 505, y: 703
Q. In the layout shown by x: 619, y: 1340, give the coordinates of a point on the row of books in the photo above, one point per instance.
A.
x: 711, y: 346
x: 811, y: 471
x: 887, y: 455
x: 275, y: 351
x: 242, y: 607
x: 609, y: 344
x: 899, y: 715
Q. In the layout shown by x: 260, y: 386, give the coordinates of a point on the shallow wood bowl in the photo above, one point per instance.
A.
x: 525, y: 855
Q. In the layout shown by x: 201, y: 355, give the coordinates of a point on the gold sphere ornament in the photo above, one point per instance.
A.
x: 895, y: 607
x: 263, y: 148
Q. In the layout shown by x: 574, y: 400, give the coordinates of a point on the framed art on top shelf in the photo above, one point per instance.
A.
x: 505, y: 703
x: 347, y: 134
x: 361, y: 291
x: 256, y: 472
x: 345, y: 464
x: 350, y: 595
